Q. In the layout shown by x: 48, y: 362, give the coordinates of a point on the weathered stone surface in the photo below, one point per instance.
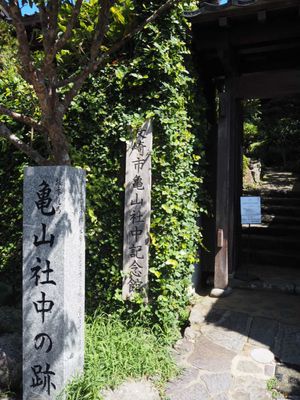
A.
x: 196, y: 391
x: 263, y: 332
x: 217, y: 383
x: 231, y: 331
x: 53, y: 279
x: 133, y: 390
x: 249, y: 367
x: 10, y: 320
x: 270, y: 370
x: 260, y: 394
x: 188, y: 376
x: 238, y: 395
x: 262, y: 355
x: 247, y: 384
x: 196, y: 315
x: 214, y: 316
x: 184, y: 345
x: 210, y: 356
x: 221, y: 396
x: 191, y: 334
x: 10, y: 361
x: 288, y: 380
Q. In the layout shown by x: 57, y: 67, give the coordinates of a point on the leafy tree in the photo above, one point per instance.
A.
x: 69, y: 42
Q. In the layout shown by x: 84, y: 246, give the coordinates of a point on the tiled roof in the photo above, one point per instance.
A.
x: 211, y: 6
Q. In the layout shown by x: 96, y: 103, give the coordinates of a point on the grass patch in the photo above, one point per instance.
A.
x: 272, y: 385
x: 116, y: 351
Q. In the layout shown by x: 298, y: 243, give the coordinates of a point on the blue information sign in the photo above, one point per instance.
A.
x: 251, y: 210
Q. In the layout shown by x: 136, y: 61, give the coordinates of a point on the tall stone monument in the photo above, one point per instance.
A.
x: 53, y: 279
x: 137, y: 214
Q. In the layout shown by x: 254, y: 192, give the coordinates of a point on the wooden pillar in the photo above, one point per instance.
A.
x: 226, y: 194
x: 234, y: 237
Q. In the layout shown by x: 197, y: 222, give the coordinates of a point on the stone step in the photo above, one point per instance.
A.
x: 272, y: 193
x: 275, y: 230
x: 269, y: 257
x: 284, y: 201
x: 281, y: 243
x: 280, y: 219
x: 281, y: 210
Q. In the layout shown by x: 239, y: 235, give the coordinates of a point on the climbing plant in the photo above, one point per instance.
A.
x: 151, y: 78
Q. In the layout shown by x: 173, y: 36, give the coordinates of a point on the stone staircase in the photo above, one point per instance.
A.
x: 270, y: 256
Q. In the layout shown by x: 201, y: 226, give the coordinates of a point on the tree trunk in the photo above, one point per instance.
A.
x: 59, y: 144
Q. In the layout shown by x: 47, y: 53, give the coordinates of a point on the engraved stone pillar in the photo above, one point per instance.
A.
x: 53, y: 279
x: 137, y: 214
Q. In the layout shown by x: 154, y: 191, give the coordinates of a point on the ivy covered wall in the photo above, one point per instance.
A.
x: 154, y: 78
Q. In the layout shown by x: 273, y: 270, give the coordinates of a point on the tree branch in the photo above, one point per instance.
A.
x: 22, y: 118
x: 20, y: 145
x: 93, y: 65
x: 101, y: 26
x: 61, y: 42
x: 28, y: 70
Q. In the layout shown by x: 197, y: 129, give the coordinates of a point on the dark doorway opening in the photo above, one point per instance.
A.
x: 270, y: 251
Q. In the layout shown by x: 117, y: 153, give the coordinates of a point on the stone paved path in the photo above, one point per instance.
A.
x: 216, y: 353
x: 227, y: 352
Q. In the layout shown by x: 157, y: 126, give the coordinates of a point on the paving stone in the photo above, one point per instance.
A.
x: 231, y: 331
x: 262, y: 355
x: 187, y: 376
x: 137, y: 390
x: 270, y: 370
x: 288, y: 346
x: 196, y: 316
x: 222, y: 396
x: 214, y: 316
x: 217, y: 383
x: 237, y: 395
x: 249, y: 367
x: 191, y: 333
x: 223, y: 337
x: 260, y: 394
x: 193, y: 392
x: 210, y: 356
x: 288, y: 379
x: 184, y: 345
x: 247, y: 384
x: 263, y: 332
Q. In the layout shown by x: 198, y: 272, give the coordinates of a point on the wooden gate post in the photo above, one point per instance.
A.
x: 226, y: 194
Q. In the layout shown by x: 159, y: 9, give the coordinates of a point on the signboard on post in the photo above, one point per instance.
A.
x: 137, y: 214
x: 250, y: 210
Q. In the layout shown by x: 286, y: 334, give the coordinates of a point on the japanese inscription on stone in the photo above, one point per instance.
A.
x: 137, y: 213
x: 53, y: 279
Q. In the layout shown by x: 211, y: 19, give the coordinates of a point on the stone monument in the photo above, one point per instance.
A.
x: 53, y: 279
x: 137, y: 213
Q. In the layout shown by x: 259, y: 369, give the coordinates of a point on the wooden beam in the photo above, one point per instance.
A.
x: 235, y: 12
x: 261, y: 16
x: 268, y: 84
x: 246, y: 34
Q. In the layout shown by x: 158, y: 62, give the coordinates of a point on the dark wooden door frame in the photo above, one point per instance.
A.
x: 268, y: 84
